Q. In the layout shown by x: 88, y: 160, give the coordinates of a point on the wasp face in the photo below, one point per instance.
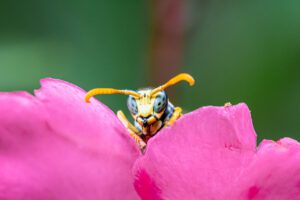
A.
x: 147, y: 109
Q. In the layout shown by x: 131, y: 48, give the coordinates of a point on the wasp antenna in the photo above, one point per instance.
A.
x: 180, y: 77
x: 98, y: 91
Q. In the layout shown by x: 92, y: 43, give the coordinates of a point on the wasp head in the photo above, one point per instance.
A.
x: 148, y: 107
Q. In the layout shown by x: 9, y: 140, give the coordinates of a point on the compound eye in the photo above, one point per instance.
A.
x: 132, y: 105
x: 160, y: 102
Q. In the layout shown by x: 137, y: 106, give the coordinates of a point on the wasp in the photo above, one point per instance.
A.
x: 149, y: 107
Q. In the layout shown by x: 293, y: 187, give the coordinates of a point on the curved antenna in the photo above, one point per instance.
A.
x: 180, y: 77
x: 97, y: 91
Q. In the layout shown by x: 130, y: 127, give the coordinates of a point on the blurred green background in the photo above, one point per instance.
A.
x: 238, y: 51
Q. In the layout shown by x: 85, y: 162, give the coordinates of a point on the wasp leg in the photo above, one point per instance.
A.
x: 176, y: 114
x: 133, y: 131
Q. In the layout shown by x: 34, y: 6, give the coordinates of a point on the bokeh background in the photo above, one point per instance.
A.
x: 238, y: 51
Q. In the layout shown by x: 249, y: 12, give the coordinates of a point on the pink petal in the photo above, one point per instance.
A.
x: 211, y: 154
x: 55, y: 146
x: 274, y: 172
x: 199, y: 154
x: 92, y: 122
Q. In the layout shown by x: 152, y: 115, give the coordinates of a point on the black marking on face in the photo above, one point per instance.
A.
x: 132, y: 105
x: 160, y: 102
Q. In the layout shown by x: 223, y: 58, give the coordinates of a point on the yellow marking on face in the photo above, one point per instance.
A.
x: 145, y: 104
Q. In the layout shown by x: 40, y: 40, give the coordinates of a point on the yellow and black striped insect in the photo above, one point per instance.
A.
x: 150, y: 108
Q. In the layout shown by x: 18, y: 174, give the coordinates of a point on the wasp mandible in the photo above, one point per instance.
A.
x: 149, y: 107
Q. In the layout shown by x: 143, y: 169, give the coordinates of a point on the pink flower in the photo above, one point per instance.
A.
x: 55, y: 146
